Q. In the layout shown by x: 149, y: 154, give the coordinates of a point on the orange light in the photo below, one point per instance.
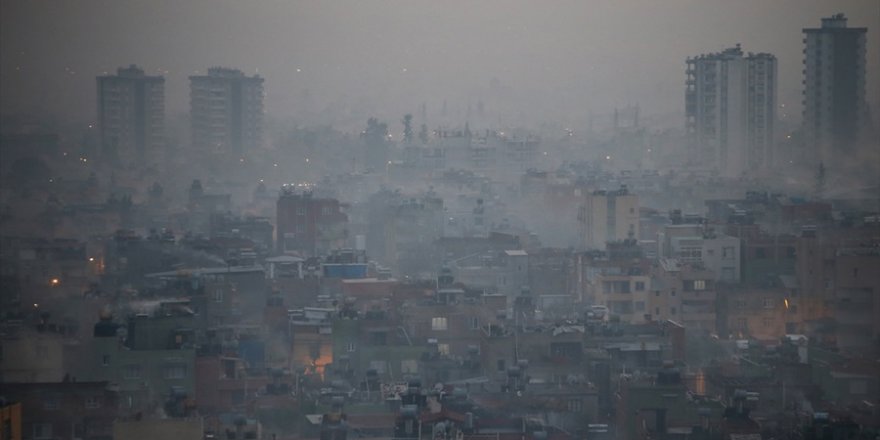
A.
x: 55, y: 281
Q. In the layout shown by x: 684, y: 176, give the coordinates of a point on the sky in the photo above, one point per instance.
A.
x: 546, y: 61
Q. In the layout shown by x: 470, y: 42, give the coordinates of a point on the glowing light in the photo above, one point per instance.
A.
x: 786, y: 302
x: 55, y: 281
x: 91, y: 258
x: 36, y: 305
x: 607, y: 157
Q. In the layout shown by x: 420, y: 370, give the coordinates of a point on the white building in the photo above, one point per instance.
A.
x: 718, y: 253
x: 730, y: 104
x: 835, y: 110
x: 226, y: 108
x: 608, y: 216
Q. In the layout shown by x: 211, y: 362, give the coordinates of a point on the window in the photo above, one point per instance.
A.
x: 672, y: 311
x: 51, y: 402
x: 741, y: 323
x: 218, y: 295
x: 727, y: 253
x: 42, y: 430
x: 93, y: 402
x: 575, y: 405
x: 443, y: 349
x: 409, y: 366
x: 475, y: 323
x: 325, y: 210
x: 699, y: 284
x: 640, y: 286
x: 640, y: 306
x: 131, y: 372
x: 105, y: 360
x: 351, y: 347
x: 768, y: 322
x: 300, y: 210
x: 500, y: 365
x: 175, y: 371
x: 438, y: 323
x: 769, y: 303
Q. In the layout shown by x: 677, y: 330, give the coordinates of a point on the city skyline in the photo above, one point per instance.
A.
x: 558, y: 69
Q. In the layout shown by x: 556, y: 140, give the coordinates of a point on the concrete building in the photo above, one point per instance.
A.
x: 608, y: 216
x: 621, y: 285
x: 683, y: 293
x: 835, y: 290
x: 226, y: 108
x: 505, y: 273
x: 63, y: 410
x: 131, y: 113
x: 718, y: 253
x: 835, y: 109
x: 310, y: 225
x: 730, y: 103
x: 183, y: 429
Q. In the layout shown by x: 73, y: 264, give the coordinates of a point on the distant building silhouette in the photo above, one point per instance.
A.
x: 131, y: 113
x: 309, y: 225
x: 835, y: 110
x: 730, y: 103
x: 226, y: 108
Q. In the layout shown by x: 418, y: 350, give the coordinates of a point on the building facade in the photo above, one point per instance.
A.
x: 131, y: 113
x: 309, y: 225
x: 834, y: 105
x: 730, y: 103
x: 226, y: 108
x: 608, y: 216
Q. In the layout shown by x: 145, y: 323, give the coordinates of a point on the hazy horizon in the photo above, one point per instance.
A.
x: 526, y: 61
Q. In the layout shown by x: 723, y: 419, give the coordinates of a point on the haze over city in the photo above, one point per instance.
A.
x: 564, y: 60
x: 491, y: 220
